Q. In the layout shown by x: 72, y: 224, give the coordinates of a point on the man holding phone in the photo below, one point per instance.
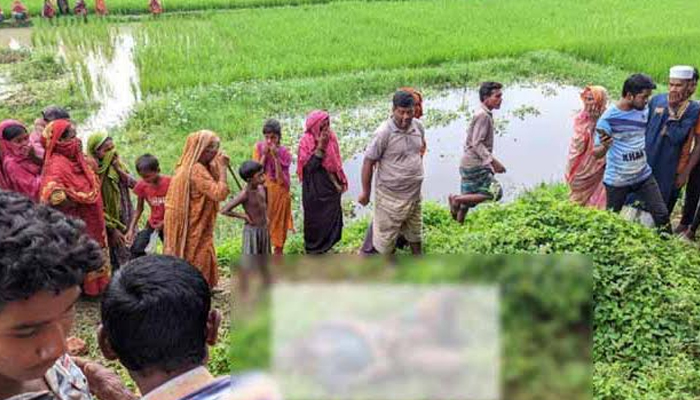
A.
x: 621, y: 139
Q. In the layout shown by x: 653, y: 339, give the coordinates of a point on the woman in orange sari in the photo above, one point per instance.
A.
x: 192, y: 203
x: 584, y: 172
x: 100, y: 7
x: 276, y: 160
x: 70, y: 185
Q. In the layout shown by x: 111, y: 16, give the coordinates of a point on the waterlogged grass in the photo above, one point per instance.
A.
x: 220, y: 48
x: 36, y: 80
x: 236, y: 111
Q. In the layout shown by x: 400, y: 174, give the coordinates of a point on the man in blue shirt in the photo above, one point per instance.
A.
x: 621, y: 139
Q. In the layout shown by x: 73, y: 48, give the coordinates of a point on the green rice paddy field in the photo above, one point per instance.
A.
x: 229, y: 70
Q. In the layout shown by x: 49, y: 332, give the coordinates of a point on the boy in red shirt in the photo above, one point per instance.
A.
x: 152, y: 189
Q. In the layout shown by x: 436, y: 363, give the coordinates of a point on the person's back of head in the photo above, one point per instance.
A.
x: 155, y: 316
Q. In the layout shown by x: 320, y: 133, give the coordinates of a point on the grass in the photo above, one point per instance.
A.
x: 644, y: 288
x: 131, y: 7
x: 343, y: 37
x: 236, y: 111
x: 229, y: 71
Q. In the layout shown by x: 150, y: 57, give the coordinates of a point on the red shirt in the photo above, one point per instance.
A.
x: 154, y: 195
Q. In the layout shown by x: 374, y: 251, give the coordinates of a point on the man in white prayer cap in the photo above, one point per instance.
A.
x: 672, y: 118
x: 690, y: 221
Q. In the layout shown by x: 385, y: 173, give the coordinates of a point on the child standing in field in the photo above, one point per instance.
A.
x: 276, y: 160
x: 151, y: 189
x: 256, y: 238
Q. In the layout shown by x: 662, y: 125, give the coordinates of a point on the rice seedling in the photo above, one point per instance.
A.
x: 220, y: 48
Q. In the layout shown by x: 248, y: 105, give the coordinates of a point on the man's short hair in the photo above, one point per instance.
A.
x: 155, y: 312
x: 486, y: 89
x: 248, y: 169
x: 41, y: 249
x: 147, y: 163
x: 52, y: 113
x: 403, y: 99
x: 272, y: 126
x: 695, y: 74
x: 637, y: 83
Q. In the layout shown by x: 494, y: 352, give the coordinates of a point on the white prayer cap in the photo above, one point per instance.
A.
x: 681, y: 72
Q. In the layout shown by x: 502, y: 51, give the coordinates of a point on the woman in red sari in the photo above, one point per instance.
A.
x: 70, y: 185
x: 48, y: 12
x: 584, y: 172
x: 155, y: 7
x: 22, y: 169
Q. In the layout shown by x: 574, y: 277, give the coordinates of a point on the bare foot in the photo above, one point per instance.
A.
x: 688, y: 235
x: 462, y: 214
x: 680, y: 229
x: 454, y: 207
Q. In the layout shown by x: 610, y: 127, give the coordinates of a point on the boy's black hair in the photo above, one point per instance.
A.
x: 696, y: 76
x: 52, y: 113
x: 272, y: 126
x: 248, y: 170
x: 155, y: 312
x: 403, y: 99
x: 41, y: 249
x: 147, y: 163
x: 637, y: 83
x: 13, y: 131
x: 486, y: 89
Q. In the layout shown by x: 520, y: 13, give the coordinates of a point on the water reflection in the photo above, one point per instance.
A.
x: 115, y: 85
x: 535, y: 124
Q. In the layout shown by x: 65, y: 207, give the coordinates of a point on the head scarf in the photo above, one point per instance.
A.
x: 65, y: 167
x: 600, y: 95
x: 307, y: 145
x: 21, y: 172
x: 18, y: 7
x: 417, y: 98
x: 177, y: 201
x: 110, y: 179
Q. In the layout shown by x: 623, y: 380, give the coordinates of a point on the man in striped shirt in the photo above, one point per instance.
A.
x: 621, y: 139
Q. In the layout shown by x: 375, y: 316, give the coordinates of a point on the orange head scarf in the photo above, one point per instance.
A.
x: 600, y: 95
x: 65, y: 167
x: 177, y: 201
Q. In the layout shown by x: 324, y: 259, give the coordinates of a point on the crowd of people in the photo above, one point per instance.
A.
x: 67, y: 220
x: 639, y: 151
x: 58, y: 8
x: 156, y: 318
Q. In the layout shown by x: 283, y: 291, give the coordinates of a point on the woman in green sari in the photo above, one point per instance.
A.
x: 115, y: 184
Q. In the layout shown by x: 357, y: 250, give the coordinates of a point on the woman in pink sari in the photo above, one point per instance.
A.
x: 22, y: 170
x: 584, y: 173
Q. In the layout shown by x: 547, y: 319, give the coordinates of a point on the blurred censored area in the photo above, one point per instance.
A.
x: 469, y: 327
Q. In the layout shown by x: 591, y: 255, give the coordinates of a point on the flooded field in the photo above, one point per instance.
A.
x: 534, y: 127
